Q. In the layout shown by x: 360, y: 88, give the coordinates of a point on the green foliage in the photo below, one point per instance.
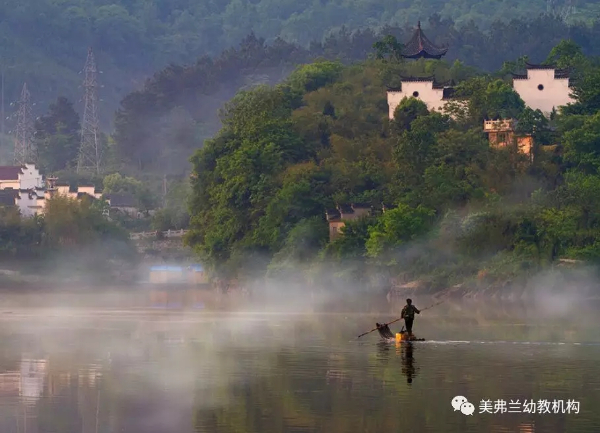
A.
x: 310, y: 77
x: 388, y: 49
x: 118, y: 184
x: 71, y: 236
x: 57, y: 137
x: 408, y: 110
x: 486, y: 98
x: 396, y: 227
x: 174, y: 215
x: 158, y: 125
x: 461, y: 209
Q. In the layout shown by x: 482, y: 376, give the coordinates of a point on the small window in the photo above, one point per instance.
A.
x: 541, y: 87
x: 416, y: 94
x: 502, y: 137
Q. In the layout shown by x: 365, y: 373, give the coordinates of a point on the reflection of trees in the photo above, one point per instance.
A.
x: 364, y: 387
x: 304, y: 375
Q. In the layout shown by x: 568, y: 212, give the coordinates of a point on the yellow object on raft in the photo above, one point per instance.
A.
x: 401, y: 336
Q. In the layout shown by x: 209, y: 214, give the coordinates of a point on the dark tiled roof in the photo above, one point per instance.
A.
x: 534, y: 66
x: 431, y: 79
x: 558, y: 73
x: 8, y: 196
x: 420, y: 46
x: 10, y: 172
x: 449, y: 93
x: 345, y: 208
x: 332, y: 214
x: 410, y: 79
x: 85, y: 194
x: 519, y: 76
x: 122, y: 200
x: 361, y: 206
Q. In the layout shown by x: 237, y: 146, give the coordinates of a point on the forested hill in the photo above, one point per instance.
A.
x: 457, y: 210
x: 45, y: 41
x: 168, y: 118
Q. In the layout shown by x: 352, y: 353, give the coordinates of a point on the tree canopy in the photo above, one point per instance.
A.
x: 457, y: 208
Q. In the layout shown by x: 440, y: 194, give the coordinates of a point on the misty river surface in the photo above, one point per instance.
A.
x: 67, y: 371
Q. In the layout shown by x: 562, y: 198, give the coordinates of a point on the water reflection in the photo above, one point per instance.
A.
x: 281, y: 374
x: 408, y: 368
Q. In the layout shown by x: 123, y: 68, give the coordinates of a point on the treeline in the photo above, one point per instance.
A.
x: 45, y: 41
x: 129, y: 45
x: 161, y: 124
x: 71, y: 237
x: 459, y: 209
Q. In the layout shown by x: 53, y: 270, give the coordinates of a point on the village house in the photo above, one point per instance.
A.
x: 23, y: 177
x: 502, y: 133
x: 346, y: 212
x: 66, y: 190
x: 24, y: 187
x: 24, y: 184
x: 542, y: 87
x: 123, y: 202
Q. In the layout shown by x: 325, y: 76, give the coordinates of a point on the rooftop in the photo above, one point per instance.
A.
x: 122, y: 200
x: 10, y: 172
x: 558, y: 72
x: 421, y: 47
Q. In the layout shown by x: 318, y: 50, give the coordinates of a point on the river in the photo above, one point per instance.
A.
x: 101, y: 370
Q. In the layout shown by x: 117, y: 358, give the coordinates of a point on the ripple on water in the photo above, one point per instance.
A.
x: 253, y: 377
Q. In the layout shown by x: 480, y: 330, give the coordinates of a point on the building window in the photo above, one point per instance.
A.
x: 416, y: 94
x: 541, y: 87
x: 502, y: 137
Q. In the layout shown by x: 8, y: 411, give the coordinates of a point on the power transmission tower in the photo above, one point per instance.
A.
x: 24, y: 136
x: 89, y: 149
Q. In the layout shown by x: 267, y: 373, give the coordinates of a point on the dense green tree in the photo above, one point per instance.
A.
x: 509, y: 215
x: 57, y: 136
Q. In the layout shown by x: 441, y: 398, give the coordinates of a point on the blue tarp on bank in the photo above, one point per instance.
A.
x: 167, y: 268
x: 163, y: 268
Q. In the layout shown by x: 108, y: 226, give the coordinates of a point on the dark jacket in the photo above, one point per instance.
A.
x: 408, y: 312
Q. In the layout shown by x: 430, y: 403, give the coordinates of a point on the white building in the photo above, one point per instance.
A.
x: 20, y: 177
x: 24, y: 187
x: 543, y: 88
x: 433, y: 94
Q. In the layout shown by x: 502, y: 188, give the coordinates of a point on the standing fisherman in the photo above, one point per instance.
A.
x: 408, y: 314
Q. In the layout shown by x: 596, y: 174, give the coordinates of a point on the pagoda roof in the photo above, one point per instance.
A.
x: 421, y: 47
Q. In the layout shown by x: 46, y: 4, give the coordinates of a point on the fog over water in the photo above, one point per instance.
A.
x: 117, y: 363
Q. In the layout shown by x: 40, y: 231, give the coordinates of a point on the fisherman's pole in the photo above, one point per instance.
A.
x: 394, y: 321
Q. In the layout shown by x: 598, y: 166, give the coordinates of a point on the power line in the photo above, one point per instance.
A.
x: 90, y: 148
x: 24, y: 135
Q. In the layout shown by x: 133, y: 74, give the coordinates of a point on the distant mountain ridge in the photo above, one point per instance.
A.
x: 45, y: 42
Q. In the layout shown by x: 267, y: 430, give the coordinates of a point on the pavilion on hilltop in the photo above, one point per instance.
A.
x: 421, y: 47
